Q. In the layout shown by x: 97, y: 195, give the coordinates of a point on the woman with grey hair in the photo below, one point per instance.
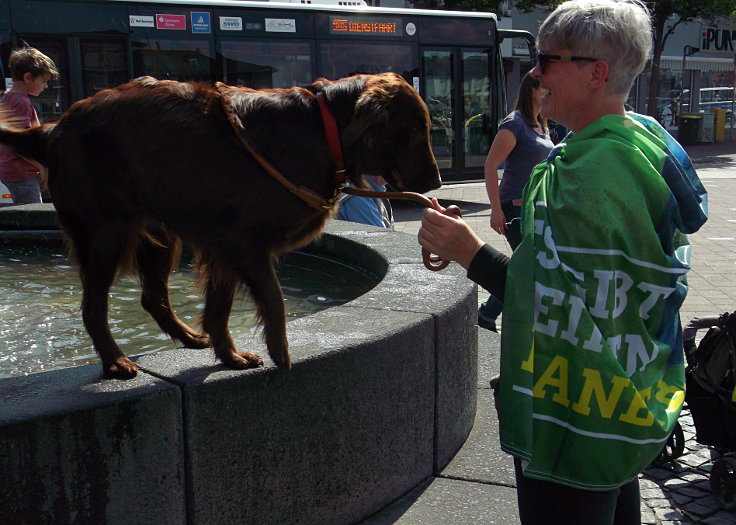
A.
x: 592, y: 375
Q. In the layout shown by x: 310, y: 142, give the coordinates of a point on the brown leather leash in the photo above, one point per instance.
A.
x: 312, y: 199
x: 317, y: 202
x: 431, y: 261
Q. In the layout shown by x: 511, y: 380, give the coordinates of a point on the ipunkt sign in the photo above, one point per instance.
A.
x: 718, y: 39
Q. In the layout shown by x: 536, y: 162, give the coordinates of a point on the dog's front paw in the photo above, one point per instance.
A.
x: 121, y: 368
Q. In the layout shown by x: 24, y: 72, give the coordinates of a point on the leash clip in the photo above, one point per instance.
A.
x: 329, y: 203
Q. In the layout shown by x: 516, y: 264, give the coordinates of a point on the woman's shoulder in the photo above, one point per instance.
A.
x: 514, y: 122
x: 514, y: 116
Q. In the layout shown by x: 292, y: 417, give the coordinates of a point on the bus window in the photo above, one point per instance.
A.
x: 103, y: 65
x: 267, y: 64
x: 54, y: 100
x: 476, y: 88
x: 183, y: 60
x: 342, y: 59
x: 438, y: 95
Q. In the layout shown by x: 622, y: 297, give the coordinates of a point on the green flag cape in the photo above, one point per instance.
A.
x: 592, y: 376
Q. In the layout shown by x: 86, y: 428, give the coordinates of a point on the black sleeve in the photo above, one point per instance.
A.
x: 488, y: 270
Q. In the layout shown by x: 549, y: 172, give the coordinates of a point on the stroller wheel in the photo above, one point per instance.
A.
x: 723, y: 481
x: 675, y: 445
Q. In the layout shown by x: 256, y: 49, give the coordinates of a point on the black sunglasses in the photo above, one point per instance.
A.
x: 543, y: 59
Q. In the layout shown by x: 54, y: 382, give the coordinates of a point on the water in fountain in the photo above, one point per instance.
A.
x: 40, y: 318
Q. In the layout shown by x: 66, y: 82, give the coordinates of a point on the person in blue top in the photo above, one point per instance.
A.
x: 366, y: 210
x: 522, y: 142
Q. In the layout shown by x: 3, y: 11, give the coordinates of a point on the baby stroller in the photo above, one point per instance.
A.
x: 711, y: 396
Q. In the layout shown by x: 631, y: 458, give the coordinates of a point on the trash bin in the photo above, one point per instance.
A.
x: 706, y: 127
x: 689, y: 129
x: 719, y: 126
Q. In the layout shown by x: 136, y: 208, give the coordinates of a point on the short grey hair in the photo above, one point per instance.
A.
x: 619, y: 32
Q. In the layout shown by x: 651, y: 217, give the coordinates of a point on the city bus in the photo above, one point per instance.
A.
x: 452, y: 59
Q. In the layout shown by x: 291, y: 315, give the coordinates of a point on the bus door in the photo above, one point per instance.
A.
x: 457, y: 90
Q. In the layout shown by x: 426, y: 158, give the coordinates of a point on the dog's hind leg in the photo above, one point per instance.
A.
x: 266, y: 291
x: 220, y: 292
x: 155, y: 259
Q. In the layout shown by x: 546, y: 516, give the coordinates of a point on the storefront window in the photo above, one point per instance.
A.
x: 672, y: 98
x: 717, y: 92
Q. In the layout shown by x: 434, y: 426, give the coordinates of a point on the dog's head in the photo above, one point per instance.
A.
x: 388, y: 134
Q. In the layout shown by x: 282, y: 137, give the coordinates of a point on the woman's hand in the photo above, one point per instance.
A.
x: 498, y: 221
x: 448, y: 236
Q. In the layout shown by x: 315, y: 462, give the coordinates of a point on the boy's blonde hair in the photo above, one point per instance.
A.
x: 31, y: 60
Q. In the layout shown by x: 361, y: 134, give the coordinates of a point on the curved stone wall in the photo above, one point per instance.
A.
x: 381, y: 394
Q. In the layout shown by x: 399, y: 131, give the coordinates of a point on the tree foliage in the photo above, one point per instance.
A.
x: 667, y: 15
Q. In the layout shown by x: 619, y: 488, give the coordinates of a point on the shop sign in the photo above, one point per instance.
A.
x: 718, y: 40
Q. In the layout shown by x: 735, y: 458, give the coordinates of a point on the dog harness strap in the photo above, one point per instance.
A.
x: 333, y: 138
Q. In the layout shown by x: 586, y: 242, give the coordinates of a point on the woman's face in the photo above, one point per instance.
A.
x: 563, y: 96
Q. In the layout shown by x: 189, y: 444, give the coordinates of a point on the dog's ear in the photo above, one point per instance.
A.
x: 361, y: 127
x: 371, y: 111
x: 319, y: 85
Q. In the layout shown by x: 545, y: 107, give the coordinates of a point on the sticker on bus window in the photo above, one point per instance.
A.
x: 281, y: 25
x: 231, y: 23
x: 141, y: 21
x: 176, y: 22
x: 201, y: 22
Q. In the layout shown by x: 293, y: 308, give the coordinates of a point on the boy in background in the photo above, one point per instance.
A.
x: 31, y: 70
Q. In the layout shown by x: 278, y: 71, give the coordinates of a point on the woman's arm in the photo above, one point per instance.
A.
x: 488, y: 269
x: 451, y: 238
x: 502, y: 146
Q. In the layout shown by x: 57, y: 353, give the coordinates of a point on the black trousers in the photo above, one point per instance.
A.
x: 547, y: 503
x: 513, y: 220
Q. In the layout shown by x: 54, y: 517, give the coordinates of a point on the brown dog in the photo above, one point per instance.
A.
x: 136, y: 170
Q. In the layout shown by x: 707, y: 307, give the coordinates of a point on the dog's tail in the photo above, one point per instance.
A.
x: 30, y: 143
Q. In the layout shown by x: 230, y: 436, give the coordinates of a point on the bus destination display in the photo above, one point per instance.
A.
x: 362, y: 25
